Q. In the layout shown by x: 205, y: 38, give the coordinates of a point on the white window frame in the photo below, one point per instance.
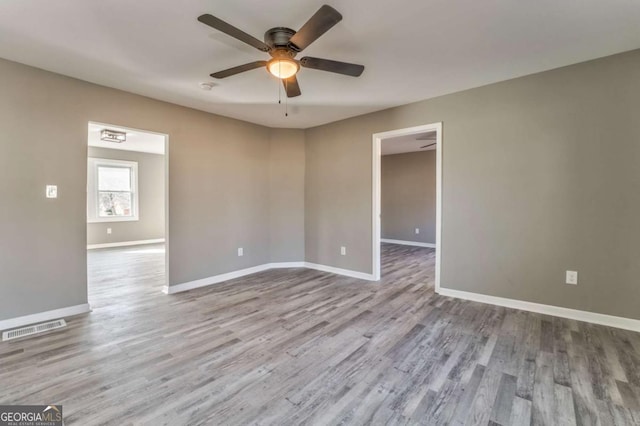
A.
x: 93, y: 215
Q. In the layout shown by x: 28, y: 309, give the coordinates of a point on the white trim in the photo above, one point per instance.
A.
x: 376, y: 183
x: 439, y: 148
x: 204, y: 282
x: 44, y: 316
x: 557, y: 311
x: 166, y: 209
x: 407, y: 243
x: 340, y: 271
x: 286, y: 265
x: 115, y: 218
x: 376, y: 189
x: 124, y: 244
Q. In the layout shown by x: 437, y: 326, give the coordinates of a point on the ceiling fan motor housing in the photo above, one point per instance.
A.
x: 278, y: 37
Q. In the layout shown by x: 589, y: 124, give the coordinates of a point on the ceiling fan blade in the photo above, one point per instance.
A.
x: 292, y: 87
x: 232, y: 31
x: 345, y: 68
x: 321, y: 22
x: 427, y: 146
x: 240, y: 68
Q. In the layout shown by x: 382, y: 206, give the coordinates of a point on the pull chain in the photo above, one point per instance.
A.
x: 286, y: 88
x: 279, y: 87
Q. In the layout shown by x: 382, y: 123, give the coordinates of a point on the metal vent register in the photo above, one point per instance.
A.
x: 33, y: 329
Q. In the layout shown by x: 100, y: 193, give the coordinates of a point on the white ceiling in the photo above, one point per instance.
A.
x: 408, y: 143
x: 412, y: 50
x: 137, y: 140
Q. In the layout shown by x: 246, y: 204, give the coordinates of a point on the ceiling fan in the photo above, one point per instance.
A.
x: 427, y: 137
x: 283, y: 44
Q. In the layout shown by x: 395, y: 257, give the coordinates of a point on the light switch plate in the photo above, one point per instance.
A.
x: 343, y: 251
x: 240, y: 251
x: 52, y: 191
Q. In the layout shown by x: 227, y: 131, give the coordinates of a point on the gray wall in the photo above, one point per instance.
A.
x: 219, y: 187
x: 541, y: 174
x: 151, y: 223
x: 286, y: 188
x: 408, y: 196
x: 338, y: 196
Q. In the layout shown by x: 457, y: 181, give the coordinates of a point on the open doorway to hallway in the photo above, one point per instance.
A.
x: 407, y: 198
x: 126, y: 214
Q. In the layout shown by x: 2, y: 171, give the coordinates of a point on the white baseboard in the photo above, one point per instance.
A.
x: 44, y: 316
x: 203, y: 282
x: 178, y: 288
x: 340, y: 271
x: 557, y: 311
x: 124, y: 244
x: 286, y: 265
x: 407, y: 243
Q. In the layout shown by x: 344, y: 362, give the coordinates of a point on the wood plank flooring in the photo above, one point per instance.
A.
x: 295, y: 346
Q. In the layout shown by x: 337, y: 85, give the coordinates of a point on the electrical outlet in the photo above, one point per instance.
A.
x: 572, y: 277
x: 343, y: 250
x: 108, y: 230
x: 240, y: 251
x: 417, y: 230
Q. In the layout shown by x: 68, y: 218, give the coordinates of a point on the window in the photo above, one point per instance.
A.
x: 112, y: 190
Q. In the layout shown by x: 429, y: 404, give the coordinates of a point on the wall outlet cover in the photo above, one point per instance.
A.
x: 240, y: 251
x: 572, y: 277
x: 343, y: 251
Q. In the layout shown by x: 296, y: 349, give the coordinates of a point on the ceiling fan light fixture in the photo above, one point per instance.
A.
x: 283, y: 68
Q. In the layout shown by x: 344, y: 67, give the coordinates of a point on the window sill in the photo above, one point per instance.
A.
x: 113, y: 219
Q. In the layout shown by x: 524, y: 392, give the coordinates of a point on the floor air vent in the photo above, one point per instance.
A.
x: 33, y: 329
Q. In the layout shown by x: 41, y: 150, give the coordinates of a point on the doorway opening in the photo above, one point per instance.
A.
x: 127, y: 214
x: 424, y: 228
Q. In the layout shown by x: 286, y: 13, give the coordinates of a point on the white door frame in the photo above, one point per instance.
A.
x: 166, y: 187
x: 376, y: 176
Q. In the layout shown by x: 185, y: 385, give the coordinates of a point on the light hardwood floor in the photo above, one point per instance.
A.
x: 295, y: 346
